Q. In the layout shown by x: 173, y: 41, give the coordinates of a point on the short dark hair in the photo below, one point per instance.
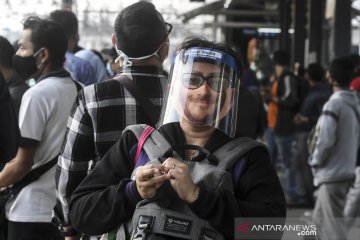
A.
x: 316, y: 72
x: 191, y: 42
x: 67, y: 20
x: 139, y: 29
x: 281, y: 57
x: 49, y: 35
x: 6, y: 52
x: 341, y: 69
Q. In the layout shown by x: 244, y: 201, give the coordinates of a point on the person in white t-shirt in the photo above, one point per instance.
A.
x: 42, y: 121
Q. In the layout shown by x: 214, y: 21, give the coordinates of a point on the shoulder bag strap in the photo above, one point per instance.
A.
x: 148, y: 107
x: 355, y: 111
x: 32, y: 176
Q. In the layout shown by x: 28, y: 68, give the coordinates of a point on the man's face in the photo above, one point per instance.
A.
x: 26, y: 47
x: 201, y: 103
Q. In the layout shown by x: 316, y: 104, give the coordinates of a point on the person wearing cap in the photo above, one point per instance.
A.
x: 103, y: 110
x: 198, y: 116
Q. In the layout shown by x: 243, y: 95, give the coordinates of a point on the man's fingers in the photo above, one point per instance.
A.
x: 151, y: 182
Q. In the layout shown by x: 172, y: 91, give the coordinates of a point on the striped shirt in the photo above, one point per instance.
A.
x: 100, y: 113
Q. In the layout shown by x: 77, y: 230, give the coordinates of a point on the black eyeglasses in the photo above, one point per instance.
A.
x: 168, y: 28
x: 193, y: 81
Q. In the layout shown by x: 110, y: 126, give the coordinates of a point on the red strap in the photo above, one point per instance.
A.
x: 145, y: 134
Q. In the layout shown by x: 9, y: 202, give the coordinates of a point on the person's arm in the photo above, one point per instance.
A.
x: 18, y: 167
x: 100, y: 203
x: 327, y: 134
x: 289, y: 99
x: 33, y: 117
x: 76, y: 153
x: 258, y: 194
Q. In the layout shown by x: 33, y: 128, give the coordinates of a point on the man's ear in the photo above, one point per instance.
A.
x: 113, y: 39
x: 164, y: 50
x: 44, y: 55
x: 332, y: 80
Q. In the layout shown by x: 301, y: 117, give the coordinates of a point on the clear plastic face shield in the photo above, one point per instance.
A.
x: 203, y: 90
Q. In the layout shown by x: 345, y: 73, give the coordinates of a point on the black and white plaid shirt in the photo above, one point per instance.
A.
x: 99, y: 115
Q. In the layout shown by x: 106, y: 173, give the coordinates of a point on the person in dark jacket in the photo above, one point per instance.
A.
x: 305, y: 120
x: 17, y: 85
x: 287, y: 101
x: 201, y: 96
x: 9, y: 130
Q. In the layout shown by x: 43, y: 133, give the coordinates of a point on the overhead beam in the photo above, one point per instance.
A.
x: 242, y: 25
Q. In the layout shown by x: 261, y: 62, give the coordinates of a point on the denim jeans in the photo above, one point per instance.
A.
x: 285, y: 148
x: 269, y: 138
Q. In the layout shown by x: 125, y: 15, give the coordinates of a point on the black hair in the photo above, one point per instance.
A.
x: 191, y: 42
x: 139, y: 29
x: 341, y: 69
x: 281, y: 57
x: 6, y: 52
x: 49, y: 35
x: 316, y: 72
x: 67, y: 20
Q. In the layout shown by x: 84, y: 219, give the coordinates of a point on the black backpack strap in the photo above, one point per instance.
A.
x: 148, y: 107
x: 32, y: 176
x: 234, y: 150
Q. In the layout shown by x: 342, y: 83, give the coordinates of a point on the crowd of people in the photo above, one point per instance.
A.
x: 108, y: 146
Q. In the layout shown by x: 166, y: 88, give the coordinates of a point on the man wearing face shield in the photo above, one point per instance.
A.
x: 198, y: 118
x: 103, y: 110
x: 42, y: 121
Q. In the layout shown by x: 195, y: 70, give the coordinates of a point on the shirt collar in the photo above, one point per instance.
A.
x: 62, y: 73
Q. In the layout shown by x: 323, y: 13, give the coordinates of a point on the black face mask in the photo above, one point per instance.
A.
x: 24, y: 66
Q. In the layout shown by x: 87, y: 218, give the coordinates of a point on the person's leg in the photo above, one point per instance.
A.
x: 302, y: 169
x: 328, y: 212
x: 269, y: 138
x: 284, y: 145
x: 352, y: 203
x: 32, y: 231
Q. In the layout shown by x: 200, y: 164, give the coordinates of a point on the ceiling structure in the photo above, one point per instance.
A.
x: 246, y: 13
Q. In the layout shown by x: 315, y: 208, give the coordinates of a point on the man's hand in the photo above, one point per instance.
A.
x: 149, y: 179
x: 181, y: 180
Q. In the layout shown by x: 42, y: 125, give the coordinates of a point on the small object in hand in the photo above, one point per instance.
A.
x: 174, y: 166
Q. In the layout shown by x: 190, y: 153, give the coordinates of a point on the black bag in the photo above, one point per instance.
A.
x: 12, y: 192
x: 5, y: 195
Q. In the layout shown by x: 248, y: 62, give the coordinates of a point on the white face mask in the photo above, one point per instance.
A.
x: 127, y: 61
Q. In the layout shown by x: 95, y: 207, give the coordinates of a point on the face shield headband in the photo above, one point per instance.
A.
x: 203, y: 90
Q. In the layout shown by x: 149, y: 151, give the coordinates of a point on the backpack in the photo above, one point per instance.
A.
x: 313, y: 138
x: 165, y: 216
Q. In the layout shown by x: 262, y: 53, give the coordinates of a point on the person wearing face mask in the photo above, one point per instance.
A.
x: 161, y: 194
x: 103, y: 110
x: 42, y: 121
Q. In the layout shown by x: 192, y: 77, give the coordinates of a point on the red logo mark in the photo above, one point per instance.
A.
x: 244, y: 228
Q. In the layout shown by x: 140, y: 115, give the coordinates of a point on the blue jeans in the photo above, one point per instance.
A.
x: 284, y: 145
x: 269, y: 138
